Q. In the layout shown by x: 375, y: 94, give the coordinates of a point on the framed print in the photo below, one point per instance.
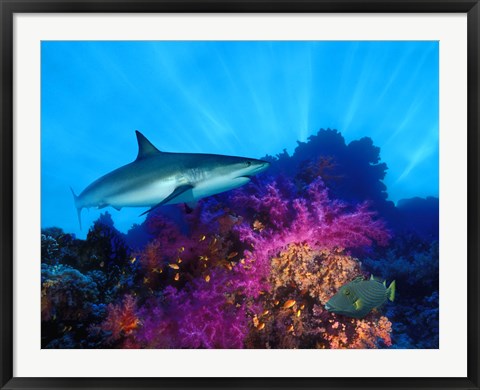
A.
x: 233, y: 194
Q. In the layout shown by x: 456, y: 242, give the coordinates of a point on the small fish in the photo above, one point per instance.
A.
x: 181, y: 249
x: 207, y: 278
x: 257, y: 225
x: 202, y: 238
x: 261, y: 325
x: 204, y: 258
x: 265, y: 313
x: 290, y: 328
x: 290, y: 303
x: 357, y: 298
x: 299, y: 312
x: 174, y: 266
x: 232, y: 255
x: 133, y: 260
x: 177, y: 277
x: 179, y: 260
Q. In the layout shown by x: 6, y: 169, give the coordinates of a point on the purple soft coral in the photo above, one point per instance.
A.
x: 199, y: 316
x: 311, y: 219
x: 223, y: 261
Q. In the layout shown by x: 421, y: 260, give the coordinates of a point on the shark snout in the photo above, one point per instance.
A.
x: 261, y: 166
x: 250, y: 168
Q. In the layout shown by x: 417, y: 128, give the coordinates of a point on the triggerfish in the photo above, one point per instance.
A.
x: 357, y: 298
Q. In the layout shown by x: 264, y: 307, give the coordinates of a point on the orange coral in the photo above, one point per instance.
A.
x: 121, y: 319
x: 292, y: 314
x: 316, y: 272
x: 361, y: 333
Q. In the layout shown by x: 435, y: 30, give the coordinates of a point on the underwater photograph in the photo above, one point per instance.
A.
x: 239, y: 194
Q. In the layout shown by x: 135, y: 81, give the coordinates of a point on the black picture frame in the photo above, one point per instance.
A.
x: 8, y: 8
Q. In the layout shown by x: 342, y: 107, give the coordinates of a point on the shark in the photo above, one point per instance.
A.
x: 157, y: 178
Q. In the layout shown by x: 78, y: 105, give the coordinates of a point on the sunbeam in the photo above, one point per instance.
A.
x: 237, y: 98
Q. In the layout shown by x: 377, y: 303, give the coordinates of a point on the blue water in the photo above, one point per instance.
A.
x: 238, y: 98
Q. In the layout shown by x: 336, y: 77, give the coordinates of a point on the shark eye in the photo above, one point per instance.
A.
x: 347, y: 292
x: 248, y: 163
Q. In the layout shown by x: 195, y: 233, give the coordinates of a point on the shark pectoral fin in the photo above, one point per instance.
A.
x: 177, y: 192
x: 189, y: 206
x: 117, y: 208
x: 192, y: 204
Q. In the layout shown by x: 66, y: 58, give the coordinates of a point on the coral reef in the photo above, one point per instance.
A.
x: 66, y: 293
x: 216, y: 284
x: 353, y: 172
x: 67, y: 304
x: 292, y: 315
x: 413, y: 262
x: 121, y: 319
x: 199, y: 316
x: 252, y: 267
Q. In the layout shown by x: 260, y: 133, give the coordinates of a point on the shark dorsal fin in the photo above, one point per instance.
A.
x: 145, y: 147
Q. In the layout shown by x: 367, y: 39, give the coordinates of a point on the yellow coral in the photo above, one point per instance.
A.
x: 300, y: 273
x: 320, y: 273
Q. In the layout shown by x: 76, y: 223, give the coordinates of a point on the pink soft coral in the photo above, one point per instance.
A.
x: 223, y: 280
x: 312, y: 219
x: 203, y: 315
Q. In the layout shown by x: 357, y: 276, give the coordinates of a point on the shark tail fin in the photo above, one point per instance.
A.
x: 79, y: 208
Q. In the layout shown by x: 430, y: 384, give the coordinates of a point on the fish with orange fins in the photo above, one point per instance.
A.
x: 290, y: 303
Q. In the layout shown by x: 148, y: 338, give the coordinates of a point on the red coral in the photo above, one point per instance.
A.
x: 122, y: 319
